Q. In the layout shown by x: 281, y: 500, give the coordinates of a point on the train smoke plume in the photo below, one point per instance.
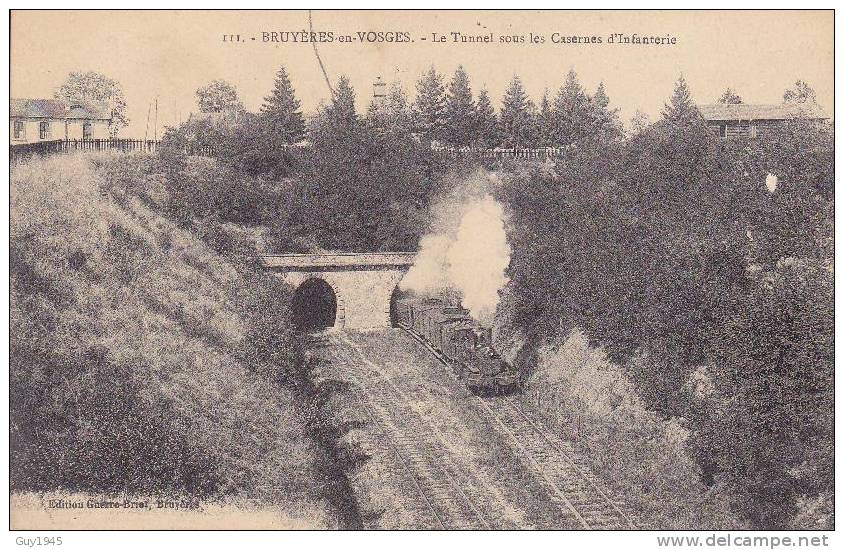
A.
x: 469, y: 253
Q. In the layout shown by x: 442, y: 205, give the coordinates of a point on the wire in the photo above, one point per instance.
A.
x: 319, y: 59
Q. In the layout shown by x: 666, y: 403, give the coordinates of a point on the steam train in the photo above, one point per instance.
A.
x: 460, y: 341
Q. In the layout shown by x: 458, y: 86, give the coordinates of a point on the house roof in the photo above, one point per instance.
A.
x: 37, y: 108
x: 98, y: 111
x: 744, y: 111
x: 57, y: 109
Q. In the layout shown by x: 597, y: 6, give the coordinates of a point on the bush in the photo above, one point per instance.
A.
x: 360, y: 189
x: 672, y: 256
x: 642, y: 457
x: 141, y: 361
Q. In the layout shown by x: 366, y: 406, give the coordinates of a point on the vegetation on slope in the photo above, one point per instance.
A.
x: 703, y: 268
x: 143, y: 361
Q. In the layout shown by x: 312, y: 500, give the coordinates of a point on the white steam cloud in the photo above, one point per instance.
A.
x: 469, y: 256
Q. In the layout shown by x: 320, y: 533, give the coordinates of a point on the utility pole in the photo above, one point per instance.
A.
x: 146, y: 130
x: 156, y: 119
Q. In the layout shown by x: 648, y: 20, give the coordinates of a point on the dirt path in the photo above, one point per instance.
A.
x: 458, y: 461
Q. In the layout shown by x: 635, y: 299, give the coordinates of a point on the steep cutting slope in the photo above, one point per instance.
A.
x: 142, y: 362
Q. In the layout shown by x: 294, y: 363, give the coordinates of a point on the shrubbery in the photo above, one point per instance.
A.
x: 641, y: 456
x: 142, y: 361
x: 670, y: 249
x: 361, y: 183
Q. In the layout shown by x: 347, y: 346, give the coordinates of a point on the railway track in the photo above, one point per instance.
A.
x: 562, y: 472
x: 452, y: 497
x: 568, y: 478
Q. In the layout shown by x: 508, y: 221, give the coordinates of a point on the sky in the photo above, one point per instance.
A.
x: 169, y: 54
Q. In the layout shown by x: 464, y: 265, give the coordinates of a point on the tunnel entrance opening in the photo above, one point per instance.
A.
x: 314, y: 305
x: 397, y: 295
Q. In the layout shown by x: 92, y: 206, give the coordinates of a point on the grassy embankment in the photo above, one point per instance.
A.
x: 146, y: 365
x: 642, y: 457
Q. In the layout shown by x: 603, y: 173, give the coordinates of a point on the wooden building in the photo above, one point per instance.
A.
x: 753, y: 121
x: 39, y: 120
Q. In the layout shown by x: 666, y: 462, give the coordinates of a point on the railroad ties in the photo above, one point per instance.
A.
x: 566, y: 476
x: 453, y: 498
x: 434, y: 479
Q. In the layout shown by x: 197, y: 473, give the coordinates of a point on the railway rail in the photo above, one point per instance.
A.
x: 453, y: 498
x: 565, y: 476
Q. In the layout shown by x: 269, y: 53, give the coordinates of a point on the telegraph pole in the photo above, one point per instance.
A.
x: 146, y: 130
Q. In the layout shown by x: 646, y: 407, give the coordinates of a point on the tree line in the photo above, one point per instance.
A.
x: 366, y: 179
x: 447, y: 113
x: 713, y: 290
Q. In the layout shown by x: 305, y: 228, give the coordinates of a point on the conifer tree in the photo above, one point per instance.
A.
x: 281, y: 110
x: 429, y: 112
x: 545, y: 123
x: 487, y: 132
x: 392, y: 113
x: 638, y: 123
x: 571, y: 112
x: 800, y: 93
x: 517, y: 116
x: 337, y: 121
x: 680, y: 107
x: 459, y: 110
x: 397, y: 108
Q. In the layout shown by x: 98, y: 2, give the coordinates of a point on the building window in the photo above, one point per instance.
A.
x: 722, y: 130
x: 754, y: 131
x: 19, y: 130
x: 87, y: 130
x: 43, y: 130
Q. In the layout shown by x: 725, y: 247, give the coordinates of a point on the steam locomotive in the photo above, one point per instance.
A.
x: 460, y: 341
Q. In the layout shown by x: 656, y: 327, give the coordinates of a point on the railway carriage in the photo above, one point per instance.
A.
x: 458, y: 340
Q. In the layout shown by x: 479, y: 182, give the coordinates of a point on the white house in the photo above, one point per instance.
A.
x: 34, y: 120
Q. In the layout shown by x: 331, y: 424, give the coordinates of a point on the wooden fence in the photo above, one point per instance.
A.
x: 540, y: 153
x: 152, y: 146
x: 72, y: 145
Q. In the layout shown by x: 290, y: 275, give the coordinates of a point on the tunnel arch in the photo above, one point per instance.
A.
x: 394, y: 296
x: 392, y: 307
x: 317, y: 305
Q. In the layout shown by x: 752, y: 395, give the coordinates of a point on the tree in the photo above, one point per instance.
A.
x: 459, y: 110
x: 393, y: 114
x: 342, y: 111
x: 604, y: 121
x: 730, y: 97
x: 217, y: 96
x: 717, y: 323
x: 397, y: 107
x: 680, y: 107
x: 571, y: 112
x: 361, y: 187
x: 486, y: 123
x: 429, y: 111
x: 517, y: 115
x: 90, y: 87
x: 800, y: 93
x: 638, y: 122
x: 545, y: 122
x: 281, y: 110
